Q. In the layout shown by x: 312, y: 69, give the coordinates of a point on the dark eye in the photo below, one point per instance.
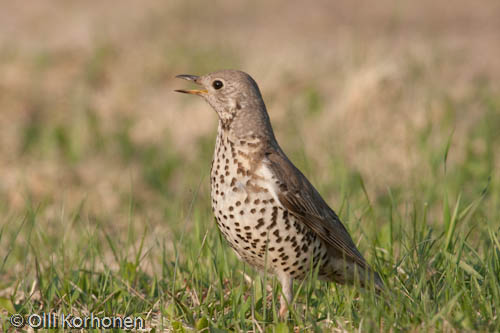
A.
x: 217, y: 84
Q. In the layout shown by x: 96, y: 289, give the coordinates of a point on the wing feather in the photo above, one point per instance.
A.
x: 302, y: 200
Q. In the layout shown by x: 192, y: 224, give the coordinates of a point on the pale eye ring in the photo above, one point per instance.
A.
x: 217, y: 84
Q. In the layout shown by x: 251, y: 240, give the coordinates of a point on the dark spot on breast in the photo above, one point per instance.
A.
x: 256, y: 201
x: 231, y: 208
x: 316, y: 259
x: 238, y: 203
x: 263, y: 234
x: 262, y: 210
x: 260, y: 223
x: 246, y: 227
x: 233, y: 182
x: 253, y: 210
x: 272, y: 225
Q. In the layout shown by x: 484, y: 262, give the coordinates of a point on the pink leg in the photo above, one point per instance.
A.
x: 287, y: 296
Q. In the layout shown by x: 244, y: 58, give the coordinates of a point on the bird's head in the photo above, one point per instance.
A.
x: 235, y: 97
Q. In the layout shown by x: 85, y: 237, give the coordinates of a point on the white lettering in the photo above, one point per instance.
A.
x: 106, y: 322
x: 35, y: 321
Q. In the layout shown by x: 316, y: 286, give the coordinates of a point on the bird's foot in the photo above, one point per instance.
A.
x: 283, y: 310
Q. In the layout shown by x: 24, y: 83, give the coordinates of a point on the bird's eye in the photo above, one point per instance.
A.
x: 217, y: 84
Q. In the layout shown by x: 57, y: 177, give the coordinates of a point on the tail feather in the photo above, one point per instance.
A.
x: 377, y: 282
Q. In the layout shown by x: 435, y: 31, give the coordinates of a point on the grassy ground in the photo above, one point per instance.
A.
x: 392, y: 112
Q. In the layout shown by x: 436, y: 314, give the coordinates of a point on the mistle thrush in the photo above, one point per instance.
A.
x: 267, y: 210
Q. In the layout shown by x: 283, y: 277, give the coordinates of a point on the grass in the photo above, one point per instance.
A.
x: 104, y: 195
x: 439, y: 253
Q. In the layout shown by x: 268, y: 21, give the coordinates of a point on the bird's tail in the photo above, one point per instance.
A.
x: 377, y: 282
x: 370, y: 277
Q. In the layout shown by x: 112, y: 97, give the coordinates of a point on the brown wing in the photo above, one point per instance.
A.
x: 298, y: 195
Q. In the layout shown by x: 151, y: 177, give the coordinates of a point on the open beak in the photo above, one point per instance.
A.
x: 193, y: 78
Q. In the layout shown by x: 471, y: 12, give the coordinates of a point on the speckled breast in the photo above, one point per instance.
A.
x: 248, y: 213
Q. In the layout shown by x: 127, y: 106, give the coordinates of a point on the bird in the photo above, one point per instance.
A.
x: 268, y: 211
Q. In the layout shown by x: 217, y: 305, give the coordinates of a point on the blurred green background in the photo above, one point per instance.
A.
x: 386, y: 106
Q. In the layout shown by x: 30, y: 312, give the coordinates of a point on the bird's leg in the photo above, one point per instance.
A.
x: 287, y: 294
